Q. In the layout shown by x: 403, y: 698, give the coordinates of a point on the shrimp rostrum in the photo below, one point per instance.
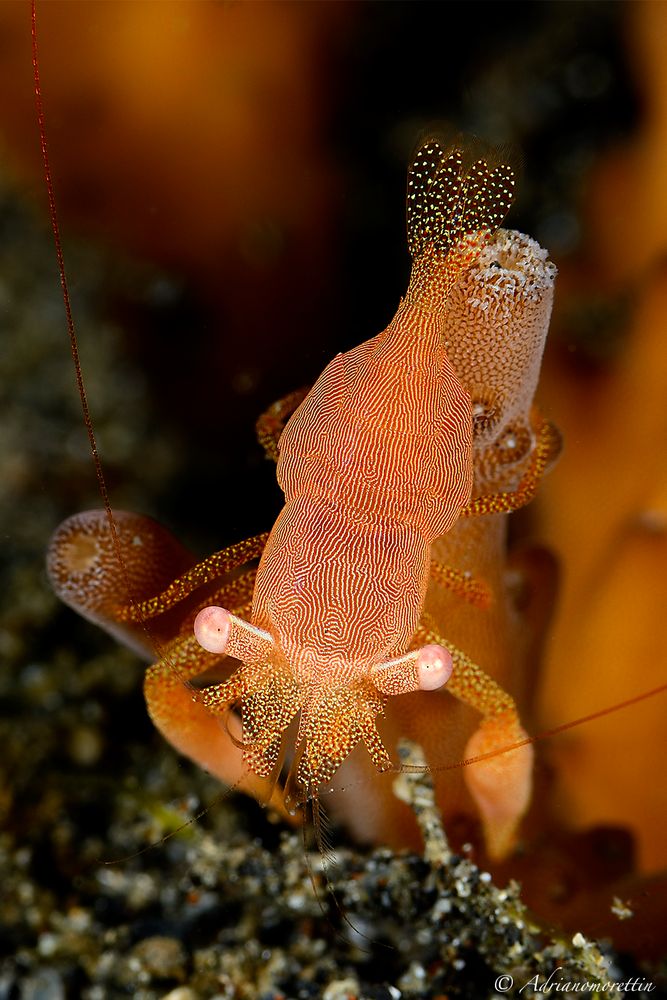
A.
x: 376, y: 463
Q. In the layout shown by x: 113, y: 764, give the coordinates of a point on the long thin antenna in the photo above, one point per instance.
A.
x: 546, y: 733
x: 73, y: 342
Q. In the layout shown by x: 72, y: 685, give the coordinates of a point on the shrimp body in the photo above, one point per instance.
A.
x: 375, y: 464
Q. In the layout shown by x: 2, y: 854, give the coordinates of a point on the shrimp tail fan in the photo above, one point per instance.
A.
x: 456, y: 189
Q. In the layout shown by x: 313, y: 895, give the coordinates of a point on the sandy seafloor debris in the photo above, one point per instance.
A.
x: 225, y: 908
x: 214, y: 912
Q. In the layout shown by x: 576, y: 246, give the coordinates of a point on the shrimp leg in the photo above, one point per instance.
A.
x: 271, y: 423
x: 499, y: 784
x: 203, y: 728
x: 215, y: 565
x: 546, y: 449
x: 466, y: 586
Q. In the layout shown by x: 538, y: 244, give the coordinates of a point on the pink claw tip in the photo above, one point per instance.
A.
x: 434, y: 667
x: 212, y: 629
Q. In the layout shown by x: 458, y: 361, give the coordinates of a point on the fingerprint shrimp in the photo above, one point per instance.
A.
x: 375, y: 462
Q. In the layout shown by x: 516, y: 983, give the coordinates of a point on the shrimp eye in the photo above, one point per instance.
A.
x: 513, y: 444
x: 212, y: 629
x: 434, y: 667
